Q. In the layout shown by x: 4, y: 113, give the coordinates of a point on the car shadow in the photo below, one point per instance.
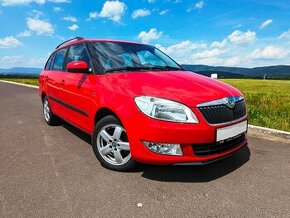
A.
x: 203, y: 173
x: 171, y: 173
x: 80, y: 134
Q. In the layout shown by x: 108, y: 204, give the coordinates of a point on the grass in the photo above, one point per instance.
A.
x: 268, y: 100
x: 30, y: 81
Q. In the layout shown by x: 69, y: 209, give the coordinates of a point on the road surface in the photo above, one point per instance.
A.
x: 52, y: 172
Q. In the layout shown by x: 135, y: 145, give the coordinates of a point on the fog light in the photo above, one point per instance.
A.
x: 163, y: 148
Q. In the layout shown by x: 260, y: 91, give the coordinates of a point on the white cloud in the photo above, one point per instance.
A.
x: 236, y: 37
x: 219, y: 44
x: 21, y: 61
x: 70, y: 18
x: 236, y: 49
x: 266, y: 23
x: 25, y: 33
x: 152, y: 34
x: 269, y: 52
x: 20, y: 2
x: 209, y: 53
x: 215, y: 61
x: 140, y: 13
x: 182, y: 52
x: 232, y: 61
x: 181, y: 47
x: 285, y: 35
x: 40, y: 27
x: 9, y: 42
x: 199, y: 5
x: 27, y: 2
x: 113, y: 10
x: 35, y: 14
x: 73, y: 27
x: 57, y: 9
x: 242, y: 37
x: 196, y: 6
x: 93, y: 15
x: 164, y: 12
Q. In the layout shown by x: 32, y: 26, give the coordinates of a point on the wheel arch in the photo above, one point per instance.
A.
x: 103, y: 112
x: 43, y: 94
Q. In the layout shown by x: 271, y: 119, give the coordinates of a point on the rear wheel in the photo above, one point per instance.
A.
x: 49, y: 117
x: 111, y: 145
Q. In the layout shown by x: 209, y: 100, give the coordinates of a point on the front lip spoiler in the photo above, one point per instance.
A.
x: 211, y: 161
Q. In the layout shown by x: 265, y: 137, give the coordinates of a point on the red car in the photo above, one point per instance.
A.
x: 141, y: 106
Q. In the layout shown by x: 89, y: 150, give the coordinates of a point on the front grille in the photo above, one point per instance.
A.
x: 218, y: 147
x: 222, y: 114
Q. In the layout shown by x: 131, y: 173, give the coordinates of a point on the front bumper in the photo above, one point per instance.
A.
x: 142, y: 128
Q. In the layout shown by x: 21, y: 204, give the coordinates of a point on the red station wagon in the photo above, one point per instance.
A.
x: 139, y: 105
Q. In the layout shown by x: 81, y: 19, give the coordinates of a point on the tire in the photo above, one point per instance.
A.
x: 111, y: 146
x: 49, y: 117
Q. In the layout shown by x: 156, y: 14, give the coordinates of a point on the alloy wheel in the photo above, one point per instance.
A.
x: 46, y: 110
x: 113, y: 144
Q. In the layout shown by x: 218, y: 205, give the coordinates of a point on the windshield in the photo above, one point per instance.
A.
x: 118, y: 56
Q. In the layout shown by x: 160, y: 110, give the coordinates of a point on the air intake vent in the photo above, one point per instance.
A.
x: 217, y: 114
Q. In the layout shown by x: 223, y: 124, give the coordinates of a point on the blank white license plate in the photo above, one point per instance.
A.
x: 231, y: 131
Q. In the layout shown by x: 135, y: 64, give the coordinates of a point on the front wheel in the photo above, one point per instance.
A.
x: 111, y: 145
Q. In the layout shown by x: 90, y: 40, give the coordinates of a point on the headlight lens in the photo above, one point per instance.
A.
x: 162, y: 109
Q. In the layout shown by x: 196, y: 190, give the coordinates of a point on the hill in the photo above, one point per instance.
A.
x: 275, y: 72
x: 21, y: 70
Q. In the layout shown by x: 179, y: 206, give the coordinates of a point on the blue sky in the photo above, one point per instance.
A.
x: 245, y: 33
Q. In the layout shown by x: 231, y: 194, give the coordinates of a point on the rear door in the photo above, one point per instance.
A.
x: 78, y: 90
x: 54, y: 67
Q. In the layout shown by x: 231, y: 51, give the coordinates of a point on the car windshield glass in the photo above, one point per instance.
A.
x: 119, y: 56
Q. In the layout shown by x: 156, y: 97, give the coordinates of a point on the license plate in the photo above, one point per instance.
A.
x: 231, y: 131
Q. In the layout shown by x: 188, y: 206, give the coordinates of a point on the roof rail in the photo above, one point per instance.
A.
x: 76, y: 38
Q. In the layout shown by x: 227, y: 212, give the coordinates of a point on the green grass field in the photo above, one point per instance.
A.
x: 23, y: 80
x: 268, y: 100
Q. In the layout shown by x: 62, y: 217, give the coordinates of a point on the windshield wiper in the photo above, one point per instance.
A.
x: 118, y: 69
x: 125, y: 69
x: 166, y: 68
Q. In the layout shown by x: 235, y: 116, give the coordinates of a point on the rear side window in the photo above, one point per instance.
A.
x: 78, y: 53
x: 58, y: 60
x: 48, y: 63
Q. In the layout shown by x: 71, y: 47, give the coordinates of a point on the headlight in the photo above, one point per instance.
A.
x: 162, y: 109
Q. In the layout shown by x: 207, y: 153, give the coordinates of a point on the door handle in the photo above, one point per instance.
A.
x: 62, y: 82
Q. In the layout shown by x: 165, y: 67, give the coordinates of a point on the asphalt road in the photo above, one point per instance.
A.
x: 52, y: 172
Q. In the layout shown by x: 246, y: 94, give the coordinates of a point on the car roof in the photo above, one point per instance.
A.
x: 78, y: 40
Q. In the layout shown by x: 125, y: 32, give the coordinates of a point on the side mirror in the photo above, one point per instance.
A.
x: 77, y: 67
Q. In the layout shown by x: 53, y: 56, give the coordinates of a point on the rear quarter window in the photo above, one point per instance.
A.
x: 58, y: 60
x: 48, y: 63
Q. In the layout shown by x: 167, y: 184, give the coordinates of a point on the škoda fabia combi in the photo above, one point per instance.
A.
x: 141, y: 106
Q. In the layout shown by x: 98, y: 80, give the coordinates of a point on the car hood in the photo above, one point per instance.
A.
x: 182, y: 86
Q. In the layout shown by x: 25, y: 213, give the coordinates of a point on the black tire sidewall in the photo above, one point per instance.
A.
x: 53, y: 119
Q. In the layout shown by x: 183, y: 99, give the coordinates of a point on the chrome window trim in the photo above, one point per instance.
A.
x: 222, y: 101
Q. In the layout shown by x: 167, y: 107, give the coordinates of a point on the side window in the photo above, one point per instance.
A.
x: 78, y: 53
x: 48, y: 63
x: 147, y: 57
x: 58, y: 60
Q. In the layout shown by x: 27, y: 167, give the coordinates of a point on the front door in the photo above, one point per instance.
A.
x: 78, y: 90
